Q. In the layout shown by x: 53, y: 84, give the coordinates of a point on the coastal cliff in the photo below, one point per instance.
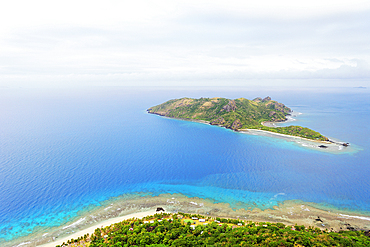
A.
x: 235, y: 114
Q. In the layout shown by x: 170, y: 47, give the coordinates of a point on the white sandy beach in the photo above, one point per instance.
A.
x: 288, y: 213
x: 91, y: 229
x: 332, y: 147
x: 257, y: 131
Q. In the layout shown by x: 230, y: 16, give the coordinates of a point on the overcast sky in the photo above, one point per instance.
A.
x: 185, y: 43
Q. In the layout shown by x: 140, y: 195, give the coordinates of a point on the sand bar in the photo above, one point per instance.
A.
x: 331, y: 147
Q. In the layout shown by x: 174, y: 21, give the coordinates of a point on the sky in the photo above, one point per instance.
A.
x: 185, y: 43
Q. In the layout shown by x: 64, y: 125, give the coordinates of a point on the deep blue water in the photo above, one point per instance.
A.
x: 62, y: 150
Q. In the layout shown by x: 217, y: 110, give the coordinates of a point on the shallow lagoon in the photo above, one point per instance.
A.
x: 64, y: 152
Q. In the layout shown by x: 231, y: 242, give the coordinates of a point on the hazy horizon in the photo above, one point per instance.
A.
x: 185, y: 43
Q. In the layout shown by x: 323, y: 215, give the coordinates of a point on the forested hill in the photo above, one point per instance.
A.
x: 234, y: 114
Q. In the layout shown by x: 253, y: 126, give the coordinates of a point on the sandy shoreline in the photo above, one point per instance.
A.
x: 291, y: 214
x: 284, y: 135
x: 91, y: 229
x: 331, y: 147
x: 124, y: 207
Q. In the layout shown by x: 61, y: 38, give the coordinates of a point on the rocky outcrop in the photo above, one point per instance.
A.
x: 278, y: 107
x: 268, y: 98
x: 258, y: 99
x: 236, y: 125
x: 157, y: 113
x: 218, y: 121
x: 231, y: 106
x: 281, y: 107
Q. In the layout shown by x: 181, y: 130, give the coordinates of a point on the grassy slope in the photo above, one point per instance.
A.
x: 234, y: 114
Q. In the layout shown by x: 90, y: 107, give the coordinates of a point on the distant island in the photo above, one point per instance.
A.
x: 238, y: 114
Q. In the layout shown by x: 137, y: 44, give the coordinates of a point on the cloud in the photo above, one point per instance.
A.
x: 180, y: 42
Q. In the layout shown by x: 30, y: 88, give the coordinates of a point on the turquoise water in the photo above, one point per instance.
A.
x: 64, y: 150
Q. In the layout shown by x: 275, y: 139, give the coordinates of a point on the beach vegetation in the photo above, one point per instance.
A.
x: 174, y: 230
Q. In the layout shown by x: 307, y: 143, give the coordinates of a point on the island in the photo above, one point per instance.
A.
x: 236, y: 114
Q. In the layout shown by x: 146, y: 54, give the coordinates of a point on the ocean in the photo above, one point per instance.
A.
x: 66, y: 151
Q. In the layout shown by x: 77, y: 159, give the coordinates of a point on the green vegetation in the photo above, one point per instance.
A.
x: 296, y: 131
x: 173, y: 230
x: 235, y: 114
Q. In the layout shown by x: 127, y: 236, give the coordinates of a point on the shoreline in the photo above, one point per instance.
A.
x: 91, y: 229
x: 289, y: 212
x: 284, y: 135
x: 331, y: 146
